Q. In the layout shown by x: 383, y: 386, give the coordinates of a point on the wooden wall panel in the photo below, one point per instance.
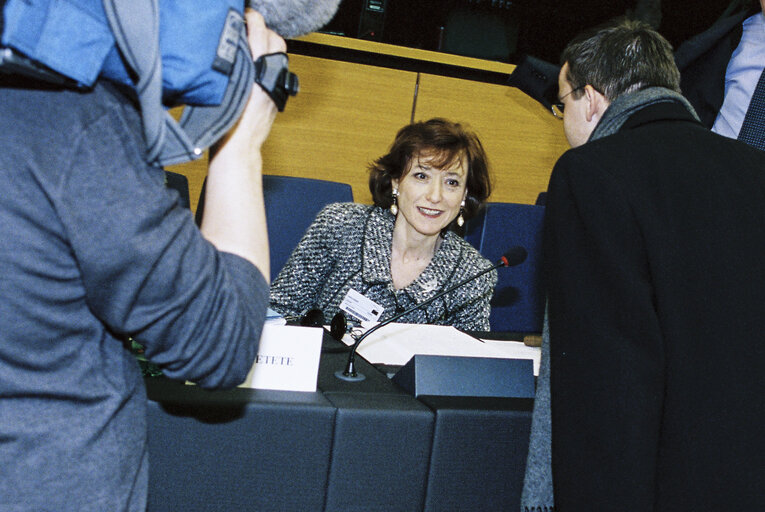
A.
x: 521, y: 139
x: 344, y: 116
x: 347, y: 114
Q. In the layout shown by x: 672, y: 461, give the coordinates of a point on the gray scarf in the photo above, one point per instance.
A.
x: 627, y: 104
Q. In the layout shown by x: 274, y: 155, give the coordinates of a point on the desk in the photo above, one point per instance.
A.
x: 351, y: 446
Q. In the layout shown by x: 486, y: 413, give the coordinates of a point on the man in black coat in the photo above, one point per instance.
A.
x: 654, y: 250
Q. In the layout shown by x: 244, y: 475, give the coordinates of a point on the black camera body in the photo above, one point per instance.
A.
x: 273, y: 76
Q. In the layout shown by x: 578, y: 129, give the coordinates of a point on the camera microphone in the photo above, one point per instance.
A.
x: 292, y: 18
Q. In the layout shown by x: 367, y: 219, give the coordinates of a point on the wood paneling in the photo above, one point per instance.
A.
x: 374, y: 47
x: 521, y: 139
x: 347, y: 114
x: 344, y: 116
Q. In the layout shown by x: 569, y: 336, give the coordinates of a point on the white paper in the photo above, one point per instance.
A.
x: 288, y: 359
x: 395, y: 344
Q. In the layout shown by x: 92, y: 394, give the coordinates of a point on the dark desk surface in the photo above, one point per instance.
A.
x: 348, y: 446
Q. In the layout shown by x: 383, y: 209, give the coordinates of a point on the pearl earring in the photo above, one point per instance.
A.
x: 460, y: 218
x: 394, y: 206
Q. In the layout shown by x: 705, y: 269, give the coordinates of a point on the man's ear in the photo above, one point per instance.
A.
x: 596, y: 103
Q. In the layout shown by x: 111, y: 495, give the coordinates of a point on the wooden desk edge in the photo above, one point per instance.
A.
x: 351, y: 43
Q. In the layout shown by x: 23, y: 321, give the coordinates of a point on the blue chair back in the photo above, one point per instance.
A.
x: 518, y: 302
x: 292, y: 203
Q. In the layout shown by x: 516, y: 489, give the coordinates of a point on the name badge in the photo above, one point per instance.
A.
x: 361, y: 307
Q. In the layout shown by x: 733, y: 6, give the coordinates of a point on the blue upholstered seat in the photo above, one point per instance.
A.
x: 292, y: 203
x: 518, y: 302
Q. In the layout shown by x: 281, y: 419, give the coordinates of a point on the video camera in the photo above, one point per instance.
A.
x: 170, y: 52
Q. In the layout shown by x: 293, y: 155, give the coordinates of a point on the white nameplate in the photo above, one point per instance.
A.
x: 288, y: 359
x: 361, y: 307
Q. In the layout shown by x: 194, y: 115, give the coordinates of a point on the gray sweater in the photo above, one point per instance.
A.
x: 349, y: 246
x: 94, y: 248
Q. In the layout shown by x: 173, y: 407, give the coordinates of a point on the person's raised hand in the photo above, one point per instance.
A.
x: 253, y: 126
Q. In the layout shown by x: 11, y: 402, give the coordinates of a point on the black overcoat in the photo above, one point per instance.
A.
x: 654, y: 251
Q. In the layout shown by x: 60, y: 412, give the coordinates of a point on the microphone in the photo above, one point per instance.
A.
x: 292, y: 18
x: 313, y: 318
x: 513, y: 256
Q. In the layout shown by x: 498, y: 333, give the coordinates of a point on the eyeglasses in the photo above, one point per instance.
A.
x: 557, y: 108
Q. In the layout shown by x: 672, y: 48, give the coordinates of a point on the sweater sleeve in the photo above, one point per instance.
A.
x: 147, y: 271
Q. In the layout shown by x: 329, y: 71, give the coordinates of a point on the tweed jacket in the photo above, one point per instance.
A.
x: 348, y: 246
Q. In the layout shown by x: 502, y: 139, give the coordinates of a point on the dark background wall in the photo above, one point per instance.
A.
x: 503, y: 30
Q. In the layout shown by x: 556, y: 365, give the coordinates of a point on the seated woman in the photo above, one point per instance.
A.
x: 403, y: 249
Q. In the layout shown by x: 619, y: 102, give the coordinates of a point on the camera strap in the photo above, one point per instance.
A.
x: 135, y: 25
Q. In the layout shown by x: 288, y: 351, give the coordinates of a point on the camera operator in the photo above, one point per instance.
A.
x: 96, y: 250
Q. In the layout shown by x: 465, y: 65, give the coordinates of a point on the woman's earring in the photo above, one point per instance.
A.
x: 394, y: 206
x: 460, y: 218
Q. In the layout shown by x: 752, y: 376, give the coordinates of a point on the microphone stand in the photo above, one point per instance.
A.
x: 351, y: 375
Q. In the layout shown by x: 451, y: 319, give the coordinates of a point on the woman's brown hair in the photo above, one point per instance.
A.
x: 444, y: 142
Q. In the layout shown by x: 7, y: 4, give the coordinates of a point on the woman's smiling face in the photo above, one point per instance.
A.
x: 429, y: 198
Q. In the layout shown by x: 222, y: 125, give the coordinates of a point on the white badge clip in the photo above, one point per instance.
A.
x: 361, y: 307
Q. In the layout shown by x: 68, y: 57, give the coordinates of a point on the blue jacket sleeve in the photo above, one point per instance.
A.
x: 147, y: 271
